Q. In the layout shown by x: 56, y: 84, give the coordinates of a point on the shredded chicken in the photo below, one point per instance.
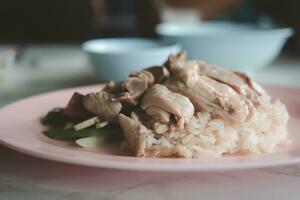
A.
x: 100, y: 104
x: 176, y: 61
x: 237, y: 106
x: 160, y: 97
x: 140, y: 115
x: 136, y: 134
x: 137, y: 83
x: 159, y: 73
x: 113, y: 88
x: 158, y: 114
x: 240, y: 82
x: 134, y: 87
x: 208, y: 95
x: 252, y: 84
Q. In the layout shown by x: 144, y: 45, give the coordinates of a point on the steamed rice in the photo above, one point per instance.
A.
x: 205, y: 135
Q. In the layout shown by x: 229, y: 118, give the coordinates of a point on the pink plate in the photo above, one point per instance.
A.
x: 20, y: 130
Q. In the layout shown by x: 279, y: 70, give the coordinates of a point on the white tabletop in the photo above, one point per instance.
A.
x: 25, y: 177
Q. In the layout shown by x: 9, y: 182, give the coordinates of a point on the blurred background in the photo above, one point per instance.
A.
x: 67, y: 21
x: 40, y: 41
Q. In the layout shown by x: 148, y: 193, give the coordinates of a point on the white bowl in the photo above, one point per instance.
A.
x: 114, y: 59
x: 236, y: 46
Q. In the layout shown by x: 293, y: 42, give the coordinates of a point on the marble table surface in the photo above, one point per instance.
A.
x: 25, y: 177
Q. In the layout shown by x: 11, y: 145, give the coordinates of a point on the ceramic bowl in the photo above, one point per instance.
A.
x: 232, y: 45
x: 114, y: 59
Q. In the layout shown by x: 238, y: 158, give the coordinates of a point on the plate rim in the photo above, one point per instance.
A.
x: 156, y: 167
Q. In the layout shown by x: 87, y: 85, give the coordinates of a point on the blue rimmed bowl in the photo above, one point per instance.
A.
x: 113, y: 59
x: 233, y: 45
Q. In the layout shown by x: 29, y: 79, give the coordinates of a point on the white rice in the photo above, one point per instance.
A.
x: 207, y: 136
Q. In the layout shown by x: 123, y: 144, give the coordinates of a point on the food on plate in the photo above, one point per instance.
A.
x: 184, y: 108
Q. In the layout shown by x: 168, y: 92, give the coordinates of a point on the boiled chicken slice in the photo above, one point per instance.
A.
x: 181, y: 67
x: 212, y: 96
x: 100, y: 104
x: 160, y: 97
x: 137, y: 135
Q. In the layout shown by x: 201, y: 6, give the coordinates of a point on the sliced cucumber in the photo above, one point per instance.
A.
x: 91, y: 142
x: 85, y: 124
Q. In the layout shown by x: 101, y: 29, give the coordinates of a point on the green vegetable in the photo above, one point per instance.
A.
x: 88, y: 133
x: 54, y: 117
x: 111, y: 132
